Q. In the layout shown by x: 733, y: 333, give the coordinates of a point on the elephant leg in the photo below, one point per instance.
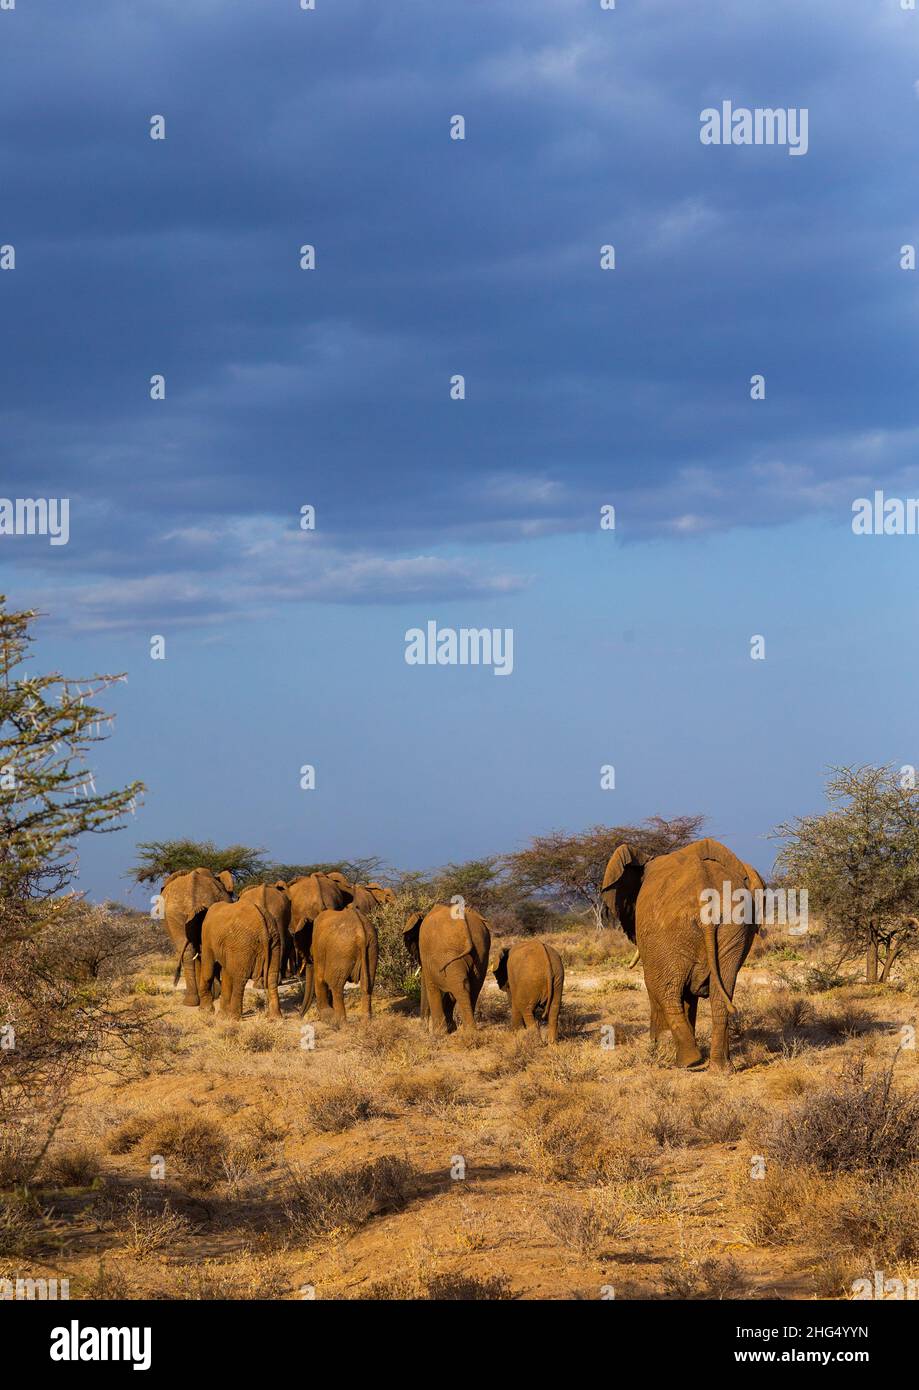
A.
x: 337, y: 992
x: 226, y: 990
x: 516, y: 1016
x: 529, y: 1019
x: 323, y: 997
x: 658, y: 1018
x: 555, y: 1004
x: 457, y: 977
x: 274, y: 1002
x: 687, y: 1052
x: 424, y: 1005
x: 204, y: 975
x: 189, y: 973
x: 231, y: 1002
x: 720, y: 1055
x: 309, y: 992
x: 437, y: 1019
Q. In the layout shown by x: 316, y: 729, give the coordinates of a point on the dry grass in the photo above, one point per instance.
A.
x: 590, y: 1225
x: 324, y: 1204
x: 339, y: 1105
x: 859, y: 1122
x: 329, y: 1170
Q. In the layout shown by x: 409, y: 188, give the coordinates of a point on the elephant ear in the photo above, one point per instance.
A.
x: 410, y: 935
x: 501, y: 968
x: 226, y: 878
x: 621, y: 884
x: 756, y: 885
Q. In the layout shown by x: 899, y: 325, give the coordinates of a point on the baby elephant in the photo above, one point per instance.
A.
x: 343, y: 948
x: 533, y: 975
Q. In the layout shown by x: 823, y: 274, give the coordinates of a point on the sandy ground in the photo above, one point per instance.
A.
x: 239, y: 1161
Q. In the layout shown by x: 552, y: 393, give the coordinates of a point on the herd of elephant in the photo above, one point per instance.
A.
x: 320, y: 928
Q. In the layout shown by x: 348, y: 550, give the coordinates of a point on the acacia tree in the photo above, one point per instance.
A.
x: 51, y: 1024
x: 859, y: 862
x: 48, y: 795
x: 477, y: 882
x: 157, y: 859
x: 570, y: 867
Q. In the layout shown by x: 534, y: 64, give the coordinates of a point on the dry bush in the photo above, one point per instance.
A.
x: 263, y: 1126
x: 588, y: 1226
x: 845, y: 1019
x: 771, y: 1209
x: 858, y: 1122
x: 109, y: 1282
x: 427, y: 1286
x: 401, y: 1042
x: 338, y: 1105
x: 677, y: 1111
x: 244, y: 1277
x: 265, y: 1035
x: 195, y: 1144
x: 320, y: 1204
x: 854, y: 1216
x: 428, y: 1089
x: 24, y: 1225
x: 704, y: 1277
x: 128, y: 1133
x: 567, y: 1132
x: 511, y: 1052
x: 75, y: 1165
x: 609, y: 947
x: 25, y: 1135
x: 148, y: 1228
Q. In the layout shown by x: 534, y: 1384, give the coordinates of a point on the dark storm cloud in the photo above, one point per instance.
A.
x: 437, y: 257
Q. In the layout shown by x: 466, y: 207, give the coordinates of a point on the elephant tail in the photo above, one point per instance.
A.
x: 711, y: 950
x: 177, y: 975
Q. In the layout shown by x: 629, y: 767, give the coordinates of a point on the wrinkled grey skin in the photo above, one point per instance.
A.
x: 186, y: 898
x: 344, y: 949
x: 451, y: 946
x: 533, y: 975
x: 243, y: 941
x: 659, y: 906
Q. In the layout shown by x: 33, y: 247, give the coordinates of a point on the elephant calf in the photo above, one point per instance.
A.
x: 343, y: 949
x: 451, y: 945
x: 533, y: 975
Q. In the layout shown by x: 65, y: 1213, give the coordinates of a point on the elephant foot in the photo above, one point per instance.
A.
x: 191, y: 1002
x: 722, y: 1064
x: 689, y: 1059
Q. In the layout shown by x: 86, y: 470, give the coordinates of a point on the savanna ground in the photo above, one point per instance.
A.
x: 288, y: 1169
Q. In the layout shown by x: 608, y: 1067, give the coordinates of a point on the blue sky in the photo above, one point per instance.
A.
x: 331, y: 388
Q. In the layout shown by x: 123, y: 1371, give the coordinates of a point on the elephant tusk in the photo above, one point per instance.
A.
x: 634, y: 961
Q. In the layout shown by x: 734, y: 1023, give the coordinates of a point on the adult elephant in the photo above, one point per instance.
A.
x: 243, y: 941
x: 186, y: 897
x: 686, y: 951
x: 274, y: 900
x: 367, y: 896
x: 344, y: 949
x: 451, y: 944
x: 310, y: 895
